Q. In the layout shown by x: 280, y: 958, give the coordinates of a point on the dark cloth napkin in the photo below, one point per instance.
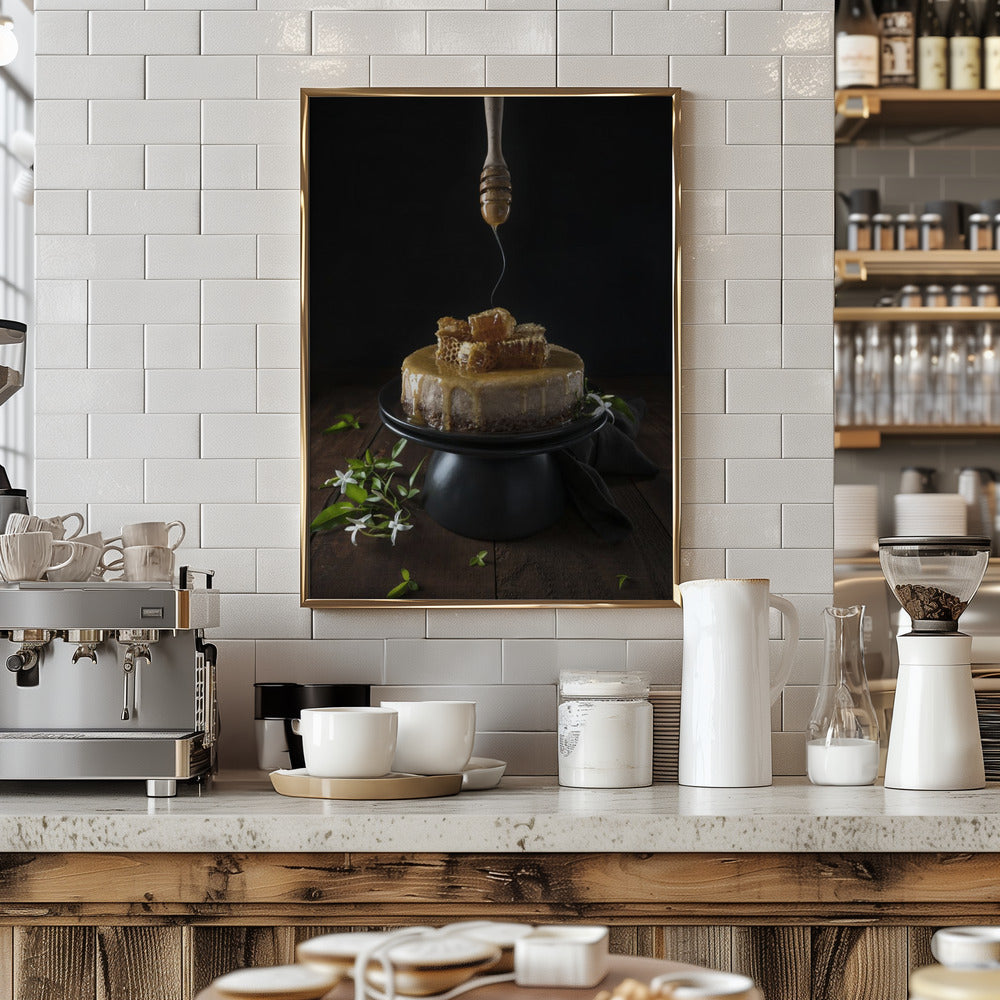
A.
x: 611, y: 450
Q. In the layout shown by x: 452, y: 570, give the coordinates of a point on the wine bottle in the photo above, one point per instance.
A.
x: 991, y: 46
x: 932, y: 49
x: 964, y: 44
x: 898, y: 29
x: 857, y: 49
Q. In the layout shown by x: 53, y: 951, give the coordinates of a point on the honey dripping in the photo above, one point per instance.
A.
x: 503, y: 263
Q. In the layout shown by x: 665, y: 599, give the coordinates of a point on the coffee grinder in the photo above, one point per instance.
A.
x: 934, y: 740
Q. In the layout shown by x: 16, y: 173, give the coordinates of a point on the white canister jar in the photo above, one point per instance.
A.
x: 605, y: 729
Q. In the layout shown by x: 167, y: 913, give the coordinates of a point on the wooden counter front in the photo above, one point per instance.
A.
x: 163, y: 926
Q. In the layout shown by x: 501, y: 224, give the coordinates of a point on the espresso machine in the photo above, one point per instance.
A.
x: 108, y: 681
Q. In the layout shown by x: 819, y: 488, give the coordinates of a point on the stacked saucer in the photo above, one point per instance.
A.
x: 930, y: 514
x: 855, y: 520
x: 666, y: 704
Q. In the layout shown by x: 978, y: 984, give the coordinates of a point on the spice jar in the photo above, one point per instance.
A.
x: 959, y: 297
x: 980, y: 231
x: 910, y: 297
x: 907, y: 232
x: 883, y: 236
x: 859, y: 231
x: 931, y: 231
x: 986, y: 297
x: 605, y: 729
x: 934, y: 297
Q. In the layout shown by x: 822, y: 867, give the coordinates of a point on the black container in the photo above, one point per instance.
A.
x: 275, y: 705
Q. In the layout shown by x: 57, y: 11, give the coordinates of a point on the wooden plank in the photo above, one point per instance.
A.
x: 139, y: 961
x: 776, y: 958
x: 919, y: 947
x: 54, y: 963
x: 7, y: 963
x: 708, y: 946
x: 864, y: 963
x: 646, y: 942
x: 214, y: 951
x: 33, y: 886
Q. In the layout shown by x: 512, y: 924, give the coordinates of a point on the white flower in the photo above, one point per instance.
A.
x: 343, y: 479
x: 600, y: 403
x: 357, y: 524
x: 395, y: 525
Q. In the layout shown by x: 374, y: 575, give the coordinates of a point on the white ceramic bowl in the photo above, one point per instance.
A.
x: 967, y: 947
x: 699, y: 985
x: 282, y: 982
x: 434, y: 737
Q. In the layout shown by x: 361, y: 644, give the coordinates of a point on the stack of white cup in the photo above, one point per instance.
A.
x: 147, y: 550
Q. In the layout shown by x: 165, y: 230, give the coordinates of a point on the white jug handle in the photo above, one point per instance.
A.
x: 296, y: 726
x: 791, y: 641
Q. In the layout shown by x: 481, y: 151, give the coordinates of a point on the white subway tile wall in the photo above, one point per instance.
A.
x: 167, y: 344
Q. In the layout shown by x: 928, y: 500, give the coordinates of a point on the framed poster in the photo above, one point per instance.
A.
x: 490, y: 345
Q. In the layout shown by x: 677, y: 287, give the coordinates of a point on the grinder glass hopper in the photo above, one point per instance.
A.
x: 934, y: 739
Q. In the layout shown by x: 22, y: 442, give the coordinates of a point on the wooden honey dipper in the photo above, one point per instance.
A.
x: 494, y: 181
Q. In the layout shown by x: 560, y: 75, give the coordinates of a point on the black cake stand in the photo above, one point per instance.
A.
x: 495, y: 487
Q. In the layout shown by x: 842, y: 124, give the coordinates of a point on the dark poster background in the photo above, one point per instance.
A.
x: 396, y: 239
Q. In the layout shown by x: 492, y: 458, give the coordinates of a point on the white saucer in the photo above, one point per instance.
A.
x: 482, y: 772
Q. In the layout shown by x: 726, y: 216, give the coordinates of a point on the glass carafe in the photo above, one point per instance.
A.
x: 842, y: 738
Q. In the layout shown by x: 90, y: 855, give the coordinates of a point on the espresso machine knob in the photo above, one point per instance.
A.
x: 24, y: 659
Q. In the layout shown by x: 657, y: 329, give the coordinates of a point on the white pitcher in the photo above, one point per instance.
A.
x: 726, y: 688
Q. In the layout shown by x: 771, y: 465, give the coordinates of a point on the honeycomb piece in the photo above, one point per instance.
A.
x: 491, y: 325
x: 478, y: 357
x: 448, y: 326
x: 529, y: 330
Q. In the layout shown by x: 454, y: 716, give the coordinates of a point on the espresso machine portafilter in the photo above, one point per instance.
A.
x: 109, y: 681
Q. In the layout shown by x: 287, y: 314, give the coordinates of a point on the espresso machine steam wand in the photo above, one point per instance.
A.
x: 136, y: 642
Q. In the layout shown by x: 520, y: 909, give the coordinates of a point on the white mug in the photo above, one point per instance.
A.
x: 726, y: 689
x: 147, y: 562
x: 435, y: 737
x: 347, y: 742
x: 115, y: 565
x: 27, y: 555
x: 81, y: 566
x: 150, y: 533
x: 20, y: 523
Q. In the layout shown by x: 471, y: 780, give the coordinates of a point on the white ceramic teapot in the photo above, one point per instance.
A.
x: 726, y: 688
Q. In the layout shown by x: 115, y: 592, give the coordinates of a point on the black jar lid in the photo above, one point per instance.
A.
x: 286, y: 701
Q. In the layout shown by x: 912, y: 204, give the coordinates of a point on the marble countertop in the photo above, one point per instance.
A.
x: 244, y: 814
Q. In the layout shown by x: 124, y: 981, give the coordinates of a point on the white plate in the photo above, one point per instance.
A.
x: 482, y: 772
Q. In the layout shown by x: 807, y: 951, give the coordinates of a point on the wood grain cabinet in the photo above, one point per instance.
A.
x: 162, y: 926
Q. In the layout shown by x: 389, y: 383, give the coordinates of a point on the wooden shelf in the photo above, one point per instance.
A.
x: 860, y: 265
x: 897, y: 314
x: 855, y: 108
x: 855, y: 437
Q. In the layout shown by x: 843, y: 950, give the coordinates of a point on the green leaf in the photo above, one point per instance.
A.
x: 330, y: 516
x: 479, y: 559
x: 619, y: 404
x: 398, y: 447
x: 413, y: 475
x: 356, y: 493
x: 622, y: 579
x: 405, y: 574
x: 398, y: 590
x: 343, y: 422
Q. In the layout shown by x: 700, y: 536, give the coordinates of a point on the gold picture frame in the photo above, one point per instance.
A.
x: 322, y: 561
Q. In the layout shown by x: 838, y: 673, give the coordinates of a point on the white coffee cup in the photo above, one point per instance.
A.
x: 150, y: 533
x: 27, y: 555
x: 20, y: 523
x: 112, y: 560
x: 147, y: 562
x: 347, y: 742
x: 434, y: 737
x: 81, y: 565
